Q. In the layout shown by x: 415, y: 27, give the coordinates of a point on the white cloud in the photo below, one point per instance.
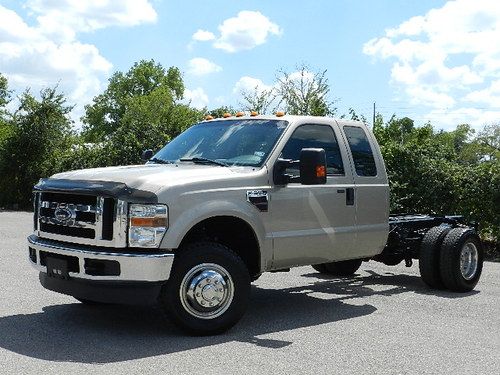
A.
x: 249, y: 84
x: 203, y: 36
x: 48, y: 53
x: 449, y: 119
x: 196, y: 97
x: 245, y: 31
x: 489, y: 96
x: 64, y: 18
x: 200, y: 66
x: 447, y: 57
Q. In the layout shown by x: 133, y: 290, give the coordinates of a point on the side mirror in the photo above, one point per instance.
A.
x: 312, y: 166
x: 147, y: 154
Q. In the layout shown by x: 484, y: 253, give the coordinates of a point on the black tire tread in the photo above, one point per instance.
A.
x: 190, y: 254
x: 429, y: 256
x: 450, y: 262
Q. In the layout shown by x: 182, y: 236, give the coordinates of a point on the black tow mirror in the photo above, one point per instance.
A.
x: 147, y: 154
x: 312, y: 166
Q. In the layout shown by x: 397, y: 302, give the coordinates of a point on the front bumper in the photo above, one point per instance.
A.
x: 92, y: 263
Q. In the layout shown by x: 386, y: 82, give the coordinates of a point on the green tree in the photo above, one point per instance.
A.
x: 40, y: 135
x: 260, y: 101
x: 146, y: 79
x: 304, y: 92
x: 139, y: 109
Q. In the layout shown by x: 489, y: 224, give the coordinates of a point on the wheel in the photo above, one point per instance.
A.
x: 208, y: 289
x: 320, y: 267
x: 430, y: 250
x: 461, y: 260
x: 343, y: 268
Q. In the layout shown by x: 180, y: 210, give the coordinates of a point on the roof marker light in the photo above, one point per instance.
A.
x: 209, y: 117
x: 240, y: 114
x: 226, y: 115
x: 254, y: 113
x: 280, y: 114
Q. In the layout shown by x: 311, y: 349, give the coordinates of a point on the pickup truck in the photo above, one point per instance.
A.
x: 227, y: 200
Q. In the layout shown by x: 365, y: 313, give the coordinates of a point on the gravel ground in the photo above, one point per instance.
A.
x: 382, y: 321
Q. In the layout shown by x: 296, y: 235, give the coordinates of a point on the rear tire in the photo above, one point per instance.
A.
x: 430, y: 250
x: 461, y: 260
x: 208, y: 289
x: 343, y: 268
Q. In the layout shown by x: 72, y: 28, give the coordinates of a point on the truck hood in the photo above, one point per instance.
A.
x: 153, y: 177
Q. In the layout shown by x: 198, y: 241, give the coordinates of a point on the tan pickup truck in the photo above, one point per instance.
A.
x: 225, y: 201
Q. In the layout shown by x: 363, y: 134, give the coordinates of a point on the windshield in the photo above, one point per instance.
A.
x: 229, y: 142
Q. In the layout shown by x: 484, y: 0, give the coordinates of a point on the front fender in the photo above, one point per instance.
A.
x: 182, y: 224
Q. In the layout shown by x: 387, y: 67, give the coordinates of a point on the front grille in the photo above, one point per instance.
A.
x: 80, y: 218
x: 67, y: 231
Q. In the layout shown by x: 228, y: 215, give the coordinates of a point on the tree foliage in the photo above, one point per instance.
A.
x: 304, y: 92
x: 299, y: 93
x: 39, y: 136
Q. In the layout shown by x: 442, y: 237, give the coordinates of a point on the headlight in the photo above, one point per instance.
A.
x: 147, y: 224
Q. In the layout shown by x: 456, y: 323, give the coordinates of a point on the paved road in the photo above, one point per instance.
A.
x: 383, y: 321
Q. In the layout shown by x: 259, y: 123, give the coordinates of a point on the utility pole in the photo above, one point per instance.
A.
x: 373, y: 124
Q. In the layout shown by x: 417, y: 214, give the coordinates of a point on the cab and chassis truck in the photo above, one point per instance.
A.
x: 227, y: 200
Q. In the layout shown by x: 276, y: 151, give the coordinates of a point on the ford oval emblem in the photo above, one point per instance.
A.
x: 63, y: 214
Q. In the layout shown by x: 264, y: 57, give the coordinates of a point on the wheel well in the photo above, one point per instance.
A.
x: 233, y: 232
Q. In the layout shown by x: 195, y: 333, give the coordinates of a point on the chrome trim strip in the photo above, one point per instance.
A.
x: 72, y: 206
x: 98, y: 218
x: 134, y: 266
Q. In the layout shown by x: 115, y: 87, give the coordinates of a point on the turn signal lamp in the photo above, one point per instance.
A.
x: 254, y: 113
x: 240, y: 114
x: 226, y: 115
x: 320, y: 171
x: 280, y: 114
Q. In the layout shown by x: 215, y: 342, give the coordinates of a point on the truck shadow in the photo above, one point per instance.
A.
x: 106, y: 334
x: 363, y: 286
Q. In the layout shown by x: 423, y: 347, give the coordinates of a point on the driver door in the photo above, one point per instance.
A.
x: 314, y: 223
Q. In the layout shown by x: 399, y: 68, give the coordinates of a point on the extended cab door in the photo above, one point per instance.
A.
x: 371, y: 195
x: 314, y: 223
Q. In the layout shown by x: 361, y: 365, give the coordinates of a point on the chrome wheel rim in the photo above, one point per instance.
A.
x: 207, y: 291
x: 468, y: 261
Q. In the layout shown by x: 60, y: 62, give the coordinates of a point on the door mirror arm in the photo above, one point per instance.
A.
x: 279, y: 175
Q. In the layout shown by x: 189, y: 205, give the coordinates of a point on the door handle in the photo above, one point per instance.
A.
x: 349, y: 197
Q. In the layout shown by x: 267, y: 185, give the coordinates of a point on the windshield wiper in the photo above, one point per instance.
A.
x: 206, y: 161
x: 160, y: 161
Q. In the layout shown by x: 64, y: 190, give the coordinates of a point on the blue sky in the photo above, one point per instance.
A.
x: 433, y: 61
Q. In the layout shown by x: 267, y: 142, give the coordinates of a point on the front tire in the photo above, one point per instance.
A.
x: 461, y: 260
x: 208, y: 289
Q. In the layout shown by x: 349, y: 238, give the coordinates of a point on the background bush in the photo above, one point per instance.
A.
x: 430, y: 171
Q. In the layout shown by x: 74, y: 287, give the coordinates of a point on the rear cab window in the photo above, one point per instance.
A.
x: 361, y: 150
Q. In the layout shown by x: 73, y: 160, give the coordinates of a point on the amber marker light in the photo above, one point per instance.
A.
x: 209, y: 117
x: 254, y: 113
x: 148, y: 221
x: 280, y: 114
x: 320, y: 171
x: 226, y: 115
x: 240, y: 114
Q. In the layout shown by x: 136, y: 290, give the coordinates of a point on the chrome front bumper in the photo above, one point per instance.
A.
x: 134, y: 266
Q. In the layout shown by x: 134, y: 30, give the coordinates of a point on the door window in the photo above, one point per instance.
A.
x: 314, y: 136
x: 362, y: 153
